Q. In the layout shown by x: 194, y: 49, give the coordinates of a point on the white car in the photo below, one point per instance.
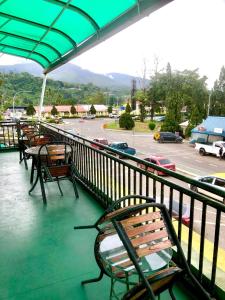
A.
x: 89, y: 117
x: 216, y: 180
x: 114, y: 116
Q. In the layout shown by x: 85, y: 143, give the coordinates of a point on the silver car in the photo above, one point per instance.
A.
x: 216, y: 180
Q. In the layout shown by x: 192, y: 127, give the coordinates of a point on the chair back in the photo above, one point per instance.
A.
x: 37, y: 139
x: 147, y: 233
x: 56, y: 152
x: 57, y: 158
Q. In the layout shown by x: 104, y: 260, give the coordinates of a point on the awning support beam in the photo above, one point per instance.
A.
x: 42, y: 97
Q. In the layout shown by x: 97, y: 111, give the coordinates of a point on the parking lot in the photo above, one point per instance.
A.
x: 187, y: 160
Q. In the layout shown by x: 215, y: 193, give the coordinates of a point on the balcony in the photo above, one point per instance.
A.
x: 42, y: 257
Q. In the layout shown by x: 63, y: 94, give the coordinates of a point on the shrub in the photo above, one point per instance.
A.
x: 188, y: 130
x: 31, y: 110
x: 126, y: 121
x: 171, y: 126
x: 151, y: 125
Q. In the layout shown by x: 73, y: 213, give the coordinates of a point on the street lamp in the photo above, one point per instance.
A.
x: 14, y: 97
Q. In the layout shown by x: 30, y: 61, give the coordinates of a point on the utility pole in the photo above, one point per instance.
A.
x: 133, y: 91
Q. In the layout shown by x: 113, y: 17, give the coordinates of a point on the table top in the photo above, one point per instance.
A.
x: 111, y: 248
x: 35, y: 150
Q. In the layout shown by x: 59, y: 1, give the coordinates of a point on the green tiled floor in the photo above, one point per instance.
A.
x: 41, y: 256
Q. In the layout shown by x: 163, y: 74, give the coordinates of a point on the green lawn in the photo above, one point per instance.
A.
x: 139, y: 126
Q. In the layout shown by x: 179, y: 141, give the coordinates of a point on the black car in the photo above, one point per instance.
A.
x: 168, y: 137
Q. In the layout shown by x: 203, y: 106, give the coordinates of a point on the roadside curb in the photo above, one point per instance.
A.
x: 122, y: 130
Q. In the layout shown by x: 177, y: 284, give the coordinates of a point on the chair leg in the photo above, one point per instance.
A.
x: 171, y: 293
x: 112, y: 292
x: 59, y: 187
x: 23, y: 157
x: 94, y: 279
x: 32, y: 171
x: 42, y: 186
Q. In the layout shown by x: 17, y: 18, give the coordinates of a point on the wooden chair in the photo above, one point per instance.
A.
x: 55, y: 164
x: 38, y: 139
x: 25, y: 133
x: 147, y: 233
x: 104, y: 227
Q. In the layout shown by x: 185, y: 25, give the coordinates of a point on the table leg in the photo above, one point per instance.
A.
x: 35, y: 183
x: 32, y: 170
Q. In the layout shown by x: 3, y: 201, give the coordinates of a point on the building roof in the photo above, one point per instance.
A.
x: 80, y: 108
x: 212, y: 125
x: 52, y: 32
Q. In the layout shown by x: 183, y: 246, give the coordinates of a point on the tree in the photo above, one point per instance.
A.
x: 109, y: 109
x: 73, y: 110
x: 31, y: 110
x: 126, y: 121
x: 217, y: 107
x: 54, y: 111
x: 92, y: 110
x: 142, y: 111
x: 175, y: 90
x: 128, y: 108
x: 141, y: 97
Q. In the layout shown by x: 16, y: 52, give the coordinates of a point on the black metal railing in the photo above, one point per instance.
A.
x: 8, y: 135
x: 109, y: 178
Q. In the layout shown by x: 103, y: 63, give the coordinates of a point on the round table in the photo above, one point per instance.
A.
x: 114, y: 256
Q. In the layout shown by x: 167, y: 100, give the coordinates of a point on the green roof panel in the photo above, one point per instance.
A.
x: 51, y: 32
x: 99, y: 9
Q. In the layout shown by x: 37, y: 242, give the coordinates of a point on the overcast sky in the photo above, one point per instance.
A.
x: 187, y: 33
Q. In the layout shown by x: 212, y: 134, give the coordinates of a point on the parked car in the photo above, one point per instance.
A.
x: 163, y: 137
x: 136, y: 118
x: 114, y: 116
x: 175, y: 210
x: 159, y: 118
x: 216, y: 180
x: 160, y: 161
x: 214, y: 148
x: 88, y: 117
x: 100, y: 141
x: 123, y: 147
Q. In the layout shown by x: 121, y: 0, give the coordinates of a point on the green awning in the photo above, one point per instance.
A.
x: 51, y: 32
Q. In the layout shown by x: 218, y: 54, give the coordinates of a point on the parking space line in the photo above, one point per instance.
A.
x: 212, y: 165
x: 208, y: 223
x: 209, y: 246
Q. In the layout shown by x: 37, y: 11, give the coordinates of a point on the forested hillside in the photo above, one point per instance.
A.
x: 26, y: 89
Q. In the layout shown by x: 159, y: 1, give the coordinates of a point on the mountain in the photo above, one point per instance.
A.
x: 73, y: 74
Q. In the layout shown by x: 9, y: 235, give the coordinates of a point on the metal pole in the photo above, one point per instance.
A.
x: 42, y: 96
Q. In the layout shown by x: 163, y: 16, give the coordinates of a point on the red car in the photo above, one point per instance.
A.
x: 159, y: 161
x: 100, y: 141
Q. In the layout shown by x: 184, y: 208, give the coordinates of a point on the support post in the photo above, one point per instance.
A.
x: 42, y: 96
